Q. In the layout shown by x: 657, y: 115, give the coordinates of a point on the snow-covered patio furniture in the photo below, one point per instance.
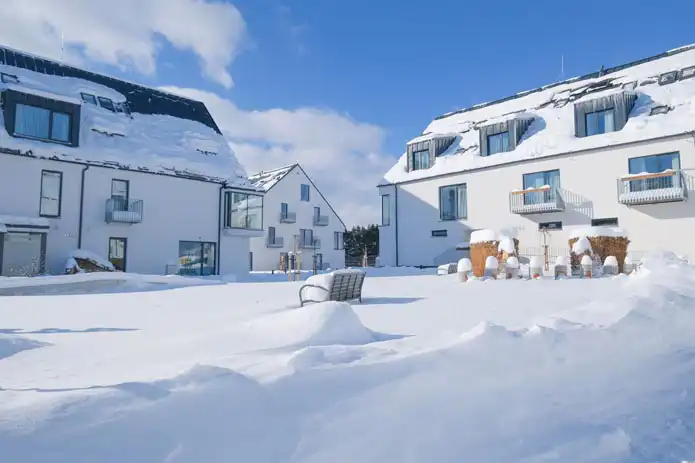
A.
x: 446, y: 269
x: 339, y: 285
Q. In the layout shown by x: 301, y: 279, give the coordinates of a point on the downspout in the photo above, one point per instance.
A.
x: 395, y: 197
x: 219, y: 230
x: 79, y: 226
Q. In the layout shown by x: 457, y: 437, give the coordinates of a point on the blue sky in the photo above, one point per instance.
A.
x: 342, y: 86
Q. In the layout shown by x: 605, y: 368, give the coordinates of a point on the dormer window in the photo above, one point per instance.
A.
x: 106, y: 103
x: 420, y: 160
x: 89, y: 98
x: 603, y: 115
x: 599, y: 122
x: 503, y: 136
x: 498, y: 143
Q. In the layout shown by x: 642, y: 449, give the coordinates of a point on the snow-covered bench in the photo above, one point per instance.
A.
x: 339, y: 285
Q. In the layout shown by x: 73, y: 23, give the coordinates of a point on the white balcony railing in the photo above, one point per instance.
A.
x: 288, y: 217
x: 320, y: 220
x: 536, y: 201
x: 275, y: 242
x: 664, y: 187
x: 124, y: 210
x: 309, y: 245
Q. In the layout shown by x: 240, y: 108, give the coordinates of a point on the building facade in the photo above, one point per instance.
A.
x: 298, y: 219
x: 137, y: 176
x: 612, y: 148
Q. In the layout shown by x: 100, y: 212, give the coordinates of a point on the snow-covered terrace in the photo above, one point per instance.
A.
x: 156, y: 143
x: 552, y: 108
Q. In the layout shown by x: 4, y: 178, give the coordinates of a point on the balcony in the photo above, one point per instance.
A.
x: 664, y: 187
x: 536, y: 201
x: 275, y: 242
x: 123, y: 210
x: 320, y: 220
x: 307, y: 245
x: 288, y: 217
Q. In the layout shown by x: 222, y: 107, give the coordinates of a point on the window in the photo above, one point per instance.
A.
x: 317, y: 212
x: 385, y: 210
x: 687, y: 73
x: 537, y: 180
x: 271, y: 235
x: 498, y: 143
x: 599, y: 122
x: 304, y: 192
x: 338, y: 241
x: 453, y: 202
x: 439, y: 233
x: 550, y: 226
x: 611, y: 222
x: 89, y: 98
x: 9, y: 78
x: 420, y: 160
x: 106, y: 103
x: 284, y: 210
x: 668, y: 78
x: 51, y: 193
x: 197, y: 258
x: 42, y: 123
x: 306, y: 237
x: 117, y: 252
x: 243, y: 210
x: 654, y: 164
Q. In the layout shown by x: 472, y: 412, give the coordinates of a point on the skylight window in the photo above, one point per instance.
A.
x: 661, y: 109
x: 9, y: 78
x: 106, y: 103
x: 668, y: 78
x: 687, y: 73
x: 89, y: 98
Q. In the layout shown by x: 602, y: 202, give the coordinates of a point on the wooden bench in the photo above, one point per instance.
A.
x: 345, y: 285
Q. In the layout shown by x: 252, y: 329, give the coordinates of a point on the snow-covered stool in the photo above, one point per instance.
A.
x: 512, y: 268
x: 446, y: 269
x: 587, y: 266
x: 561, y: 267
x: 536, y: 267
x: 464, y: 268
x: 610, y: 266
x: 491, y: 267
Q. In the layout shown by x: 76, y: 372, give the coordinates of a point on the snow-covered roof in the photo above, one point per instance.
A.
x: 265, y: 180
x: 552, y: 108
x: 159, y: 133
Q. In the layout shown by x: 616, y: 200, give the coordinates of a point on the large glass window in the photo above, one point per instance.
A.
x: 654, y: 164
x: 305, y: 192
x: 338, y: 241
x: 51, y: 193
x: 498, y: 143
x: 306, y: 237
x: 243, y: 210
x: 117, y: 253
x: 537, y: 180
x: 284, y: 210
x: 600, y: 122
x: 197, y: 258
x: 420, y: 159
x: 385, y: 210
x: 453, y: 202
x: 42, y: 123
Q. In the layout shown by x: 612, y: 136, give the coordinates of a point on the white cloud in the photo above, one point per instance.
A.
x: 127, y: 33
x: 342, y: 156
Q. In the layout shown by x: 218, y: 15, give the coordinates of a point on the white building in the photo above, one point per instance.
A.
x: 615, y: 147
x: 136, y: 175
x: 297, y: 218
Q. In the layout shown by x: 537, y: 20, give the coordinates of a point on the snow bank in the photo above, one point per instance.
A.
x: 11, y: 345
x: 322, y: 324
x: 581, y: 232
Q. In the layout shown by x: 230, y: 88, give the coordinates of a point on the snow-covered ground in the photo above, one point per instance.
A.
x: 427, y: 369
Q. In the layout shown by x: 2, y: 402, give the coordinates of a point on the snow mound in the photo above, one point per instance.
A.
x: 318, y: 356
x: 322, y: 324
x: 487, y: 330
x: 11, y: 345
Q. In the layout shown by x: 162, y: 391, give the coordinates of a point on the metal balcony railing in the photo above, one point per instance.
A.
x: 275, y: 242
x: 664, y: 187
x: 123, y: 210
x: 288, y: 217
x: 320, y: 220
x: 536, y: 201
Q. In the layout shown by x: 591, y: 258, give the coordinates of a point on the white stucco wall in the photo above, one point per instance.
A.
x: 175, y: 209
x: 589, y: 185
x: 288, y: 190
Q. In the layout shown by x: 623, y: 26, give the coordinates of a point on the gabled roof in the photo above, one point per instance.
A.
x: 552, y: 108
x: 266, y: 180
x: 160, y: 133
